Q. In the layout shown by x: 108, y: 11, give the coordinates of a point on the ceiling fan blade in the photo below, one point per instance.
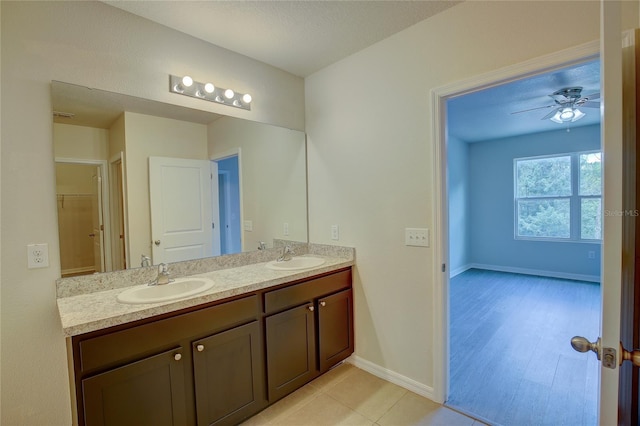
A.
x: 549, y: 115
x: 533, y: 109
x: 589, y: 104
x: 592, y: 96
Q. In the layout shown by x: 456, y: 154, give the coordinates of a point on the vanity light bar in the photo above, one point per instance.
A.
x: 208, y: 92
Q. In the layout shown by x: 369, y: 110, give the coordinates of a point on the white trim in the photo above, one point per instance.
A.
x: 538, y: 272
x: 392, y: 376
x: 439, y: 96
x: 224, y: 155
x: 460, y: 270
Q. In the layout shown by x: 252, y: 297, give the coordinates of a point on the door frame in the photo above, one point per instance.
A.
x: 118, y: 198
x: 439, y: 96
x: 235, y: 152
x: 106, y: 216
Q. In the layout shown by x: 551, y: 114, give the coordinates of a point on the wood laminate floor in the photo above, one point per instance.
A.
x: 511, y: 362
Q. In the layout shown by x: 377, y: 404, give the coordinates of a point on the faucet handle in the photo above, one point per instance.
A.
x: 162, y: 268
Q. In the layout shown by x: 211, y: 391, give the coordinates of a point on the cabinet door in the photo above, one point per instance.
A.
x: 229, y: 376
x: 291, y: 350
x: 146, y: 392
x: 335, y: 328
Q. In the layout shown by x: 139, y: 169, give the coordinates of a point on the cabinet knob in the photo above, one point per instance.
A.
x: 323, y: 303
x: 177, y: 357
x: 200, y: 348
x: 311, y: 308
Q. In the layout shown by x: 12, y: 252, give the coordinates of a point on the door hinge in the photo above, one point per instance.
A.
x: 444, y: 267
x: 213, y: 225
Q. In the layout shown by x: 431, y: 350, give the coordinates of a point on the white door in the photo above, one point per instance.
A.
x: 181, y: 209
x: 612, y: 243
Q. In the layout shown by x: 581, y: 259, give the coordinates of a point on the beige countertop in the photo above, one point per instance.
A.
x: 90, y: 311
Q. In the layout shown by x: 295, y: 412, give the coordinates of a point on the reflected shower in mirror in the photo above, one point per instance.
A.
x: 141, y: 182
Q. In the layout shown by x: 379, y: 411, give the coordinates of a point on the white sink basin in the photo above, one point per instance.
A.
x: 178, y: 289
x: 296, y: 263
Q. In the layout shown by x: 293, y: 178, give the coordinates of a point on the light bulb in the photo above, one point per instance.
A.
x: 209, y: 88
x: 566, y: 114
x: 246, y: 98
x: 229, y: 94
x: 187, y: 81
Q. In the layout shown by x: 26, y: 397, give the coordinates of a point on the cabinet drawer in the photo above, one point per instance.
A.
x: 297, y: 294
x: 126, y: 345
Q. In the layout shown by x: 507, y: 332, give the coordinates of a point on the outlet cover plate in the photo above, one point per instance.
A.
x: 37, y: 256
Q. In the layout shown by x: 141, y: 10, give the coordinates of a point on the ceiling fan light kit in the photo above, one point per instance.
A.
x: 567, y: 114
x: 566, y: 105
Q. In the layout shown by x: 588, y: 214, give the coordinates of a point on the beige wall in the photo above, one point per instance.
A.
x: 371, y: 156
x: 92, y: 44
x: 80, y: 142
x: 148, y: 136
x: 273, y: 177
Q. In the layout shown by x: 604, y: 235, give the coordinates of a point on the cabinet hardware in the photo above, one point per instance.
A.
x: 311, y: 308
x: 323, y: 303
x: 177, y: 357
x: 200, y: 348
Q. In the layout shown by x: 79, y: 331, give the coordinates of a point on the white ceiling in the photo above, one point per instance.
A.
x: 304, y: 36
x: 300, y: 37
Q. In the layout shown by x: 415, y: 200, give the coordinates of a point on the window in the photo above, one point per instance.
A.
x: 559, y: 197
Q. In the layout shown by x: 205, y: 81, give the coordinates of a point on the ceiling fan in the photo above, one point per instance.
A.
x: 566, y: 104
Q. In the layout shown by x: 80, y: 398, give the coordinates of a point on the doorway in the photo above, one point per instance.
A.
x: 450, y: 224
x: 229, y: 190
x: 82, y: 206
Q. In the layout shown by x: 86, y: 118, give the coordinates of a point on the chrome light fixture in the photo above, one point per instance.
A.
x: 567, y: 114
x: 207, y: 91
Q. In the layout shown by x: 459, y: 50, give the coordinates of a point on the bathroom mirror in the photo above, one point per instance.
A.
x: 115, y: 211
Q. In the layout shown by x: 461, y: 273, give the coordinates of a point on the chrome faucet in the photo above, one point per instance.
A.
x: 287, y: 253
x: 163, y: 276
x: 145, y: 260
x: 262, y: 245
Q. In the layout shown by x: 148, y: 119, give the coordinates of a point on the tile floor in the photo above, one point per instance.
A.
x: 348, y: 395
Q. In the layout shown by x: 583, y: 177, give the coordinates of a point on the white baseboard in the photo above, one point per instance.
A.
x: 460, y: 270
x: 392, y: 376
x: 539, y: 272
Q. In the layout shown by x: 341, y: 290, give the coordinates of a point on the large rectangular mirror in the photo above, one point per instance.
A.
x: 142, y: 182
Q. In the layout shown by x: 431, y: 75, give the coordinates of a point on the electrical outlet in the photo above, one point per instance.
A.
x: 285, y: 229
x: 416, y: 237
x: 37, y: 256
x: 248, y: 225
x: 335, y: 232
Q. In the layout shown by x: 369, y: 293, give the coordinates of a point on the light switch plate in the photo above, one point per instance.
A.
x: 335, y: 232
x: 248, y: 225
x: 417, y: 237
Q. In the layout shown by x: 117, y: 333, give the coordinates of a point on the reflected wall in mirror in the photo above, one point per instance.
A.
x: 142, y: 182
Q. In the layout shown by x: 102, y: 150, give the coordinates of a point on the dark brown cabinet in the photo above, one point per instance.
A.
x: 215, y: 364
x: 150, y: 391
x: 291, y: 350
x: 309, y: 338
x: 228, y: 375
x: 335, y: 329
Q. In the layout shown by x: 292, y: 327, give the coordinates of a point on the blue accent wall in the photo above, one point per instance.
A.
x: 232, y: 244
x: 458, y: 192
x: 490, y: 209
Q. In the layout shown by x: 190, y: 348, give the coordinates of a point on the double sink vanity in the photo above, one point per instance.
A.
x: 233, y: 335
